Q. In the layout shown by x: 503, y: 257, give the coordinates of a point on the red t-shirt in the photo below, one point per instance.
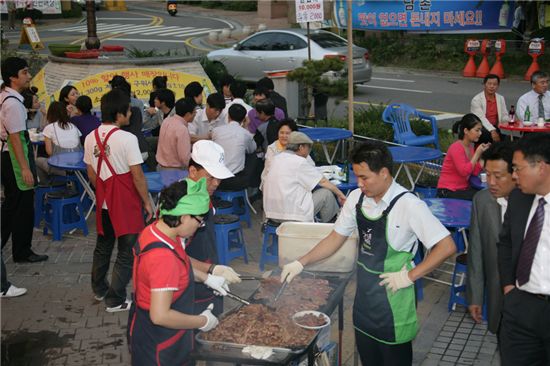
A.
x: 492, y: 112
x: 159, y: 269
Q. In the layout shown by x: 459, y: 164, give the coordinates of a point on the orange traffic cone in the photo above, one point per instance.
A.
x: 470, y: 68
x: 497, y: 68
x: 483, y: 68
x: 534, y: 67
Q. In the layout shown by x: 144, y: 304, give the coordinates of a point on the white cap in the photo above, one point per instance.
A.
x: 211, y: 157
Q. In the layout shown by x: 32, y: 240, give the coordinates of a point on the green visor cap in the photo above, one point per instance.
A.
x: 195, y: 202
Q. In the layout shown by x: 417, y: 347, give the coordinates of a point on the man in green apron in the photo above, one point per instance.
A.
x: 390, y: 221
x: 18, y: 169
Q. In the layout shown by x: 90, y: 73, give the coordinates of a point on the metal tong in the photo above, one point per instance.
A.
x: 281, y: 290
x: 237, y: 298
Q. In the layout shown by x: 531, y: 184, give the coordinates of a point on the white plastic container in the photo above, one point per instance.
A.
x: 297, y: 238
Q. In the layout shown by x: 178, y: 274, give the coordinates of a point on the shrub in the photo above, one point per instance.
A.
x: 34, y: 14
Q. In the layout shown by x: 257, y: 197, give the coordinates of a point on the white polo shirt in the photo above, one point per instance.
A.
x: 287, y: 188
x: 410, y: 219
x: 13, y: 114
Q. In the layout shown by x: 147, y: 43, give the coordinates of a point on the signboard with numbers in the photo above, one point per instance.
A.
x: 96, y: 85
x: 309, y: 11
x: 45, y: 6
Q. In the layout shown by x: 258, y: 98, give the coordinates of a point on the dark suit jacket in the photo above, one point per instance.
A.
x: 482, y: 273
x: 511, y: 236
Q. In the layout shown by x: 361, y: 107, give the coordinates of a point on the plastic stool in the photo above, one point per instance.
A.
x: 39, y: 196
x: 238, y: 199
x: 458, y: 290
x: 419, y: 283
x: 63, y: 213
x: 222, y: 207
x: 270, y: 248
x: 229, y: 238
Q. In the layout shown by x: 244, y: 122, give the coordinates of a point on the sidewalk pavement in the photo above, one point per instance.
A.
x: 58, y: 322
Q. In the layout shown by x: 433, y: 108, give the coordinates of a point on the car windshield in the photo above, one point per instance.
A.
x: 328, y: 40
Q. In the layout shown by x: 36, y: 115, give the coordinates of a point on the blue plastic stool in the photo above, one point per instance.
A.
x: 229, y: 238
x: 223, y: 207
x: 270, y: 246
x: 63, y: 213
x: 458, y: 292
x: 458, y: 238
x: 39, y: 196
x: 419, y: 283
x: 240, y: 206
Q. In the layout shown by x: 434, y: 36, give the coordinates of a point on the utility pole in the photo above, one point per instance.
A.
x: 92, y: 41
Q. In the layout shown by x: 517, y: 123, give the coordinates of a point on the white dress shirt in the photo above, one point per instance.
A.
x: 539, y: 279
x: 201, y: 126
x: 531, y: 99
x: 236, y: 142
x: 409, y: 220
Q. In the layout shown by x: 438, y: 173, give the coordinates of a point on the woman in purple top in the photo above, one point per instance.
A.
x: 84, y: 120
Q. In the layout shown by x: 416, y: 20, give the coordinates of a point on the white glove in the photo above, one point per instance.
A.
x: 211, y: 320
x: 291, y: 270
x: 226, y: 272
x: 396, y: 280
x: 217, y: 283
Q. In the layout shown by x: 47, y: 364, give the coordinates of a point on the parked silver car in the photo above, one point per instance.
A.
x: 275, y: 50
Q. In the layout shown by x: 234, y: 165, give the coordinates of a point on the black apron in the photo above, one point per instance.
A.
x: 377, y: 312
x: 151, y: 344
x: 202, y: 247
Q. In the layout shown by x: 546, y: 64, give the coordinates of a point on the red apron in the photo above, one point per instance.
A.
x: 120, y: 194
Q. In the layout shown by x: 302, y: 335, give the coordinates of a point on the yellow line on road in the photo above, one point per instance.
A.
x: 422, y: 110
x: 189, y: 44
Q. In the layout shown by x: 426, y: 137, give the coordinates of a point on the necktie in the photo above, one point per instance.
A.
x: 541, y: 106
x: 529, y: 245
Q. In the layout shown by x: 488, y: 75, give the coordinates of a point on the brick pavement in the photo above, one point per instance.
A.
x: 58, y: 322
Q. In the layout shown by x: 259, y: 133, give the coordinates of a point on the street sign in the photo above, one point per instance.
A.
x: 29, y: 35
x: 309, y: 11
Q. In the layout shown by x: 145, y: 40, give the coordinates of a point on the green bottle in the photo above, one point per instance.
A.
x: 527, y: 116
x: 345, y: 172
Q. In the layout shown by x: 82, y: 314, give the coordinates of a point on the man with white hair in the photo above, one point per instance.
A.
x: 289, y: 186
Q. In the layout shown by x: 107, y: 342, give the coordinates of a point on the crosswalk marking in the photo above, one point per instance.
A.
x: 143, y: 29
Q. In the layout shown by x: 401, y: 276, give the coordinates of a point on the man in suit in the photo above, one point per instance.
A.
x: 524, y: 257
x: 488, y: 208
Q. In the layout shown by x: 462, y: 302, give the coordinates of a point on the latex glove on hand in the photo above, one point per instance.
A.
x: 217, y: 283
x: 226, y: 272
x: 211, y: 320
x: 291, y: 270
x: 396, y: 280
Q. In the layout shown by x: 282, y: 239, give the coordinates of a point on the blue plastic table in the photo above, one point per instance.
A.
x: 413, y: 154
x: 324, y: 135
x: 73, y: 161
x: 476, y: 182
x: 156, y: 181
x: 454, y: 214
